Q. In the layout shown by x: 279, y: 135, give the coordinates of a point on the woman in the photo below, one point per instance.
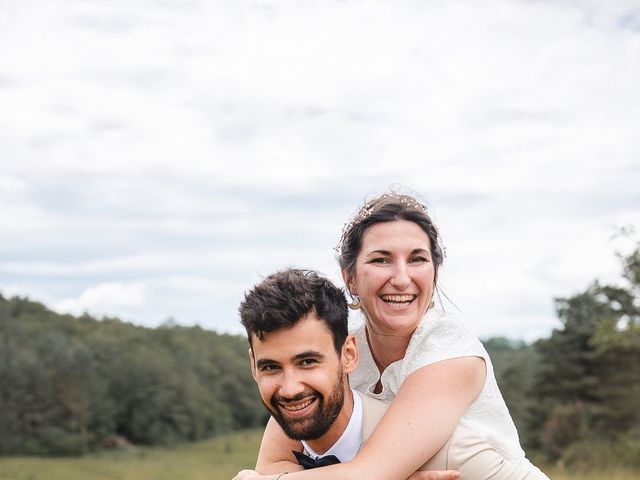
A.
x: 421, y: 357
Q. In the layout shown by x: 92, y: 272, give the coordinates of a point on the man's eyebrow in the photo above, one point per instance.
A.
x: 300, y: 356
x: 265, y: 361
x: 310, y: 354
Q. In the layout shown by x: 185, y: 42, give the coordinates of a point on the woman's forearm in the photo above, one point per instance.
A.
x: 275, y: 455
x: 419, y: 421
x: 337, y: 471
x: 270, y: 468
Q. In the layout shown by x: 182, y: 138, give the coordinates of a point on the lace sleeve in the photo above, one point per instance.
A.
x: 440, y: 336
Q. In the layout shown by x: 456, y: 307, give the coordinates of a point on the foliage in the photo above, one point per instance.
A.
x: 575, y: 396
x: 68, y: 382
x: 587, y: 388
x: 588, y: 384
x: 515, y: 365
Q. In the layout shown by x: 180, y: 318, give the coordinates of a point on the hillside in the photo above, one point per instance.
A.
x: 70, y: 383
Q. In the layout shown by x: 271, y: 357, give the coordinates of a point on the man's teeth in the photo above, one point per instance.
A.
x: 299, y: 406
x: 398, y: 298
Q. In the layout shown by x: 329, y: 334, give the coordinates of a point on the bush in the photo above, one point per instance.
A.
x: 591, y: 454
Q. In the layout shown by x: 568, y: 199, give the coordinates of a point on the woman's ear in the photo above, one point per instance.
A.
x: 349, y: 283
x: 349, y: 354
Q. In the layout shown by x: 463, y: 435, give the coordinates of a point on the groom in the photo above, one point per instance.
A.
x: 301, y: 355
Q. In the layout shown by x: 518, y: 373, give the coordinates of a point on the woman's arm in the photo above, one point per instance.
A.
x: 275, y: 451
x: 419, y: 421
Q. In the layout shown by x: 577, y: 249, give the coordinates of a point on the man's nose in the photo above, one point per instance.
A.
x: 290, y: 385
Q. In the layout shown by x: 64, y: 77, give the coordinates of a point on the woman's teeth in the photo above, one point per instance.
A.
x: 398, y: 298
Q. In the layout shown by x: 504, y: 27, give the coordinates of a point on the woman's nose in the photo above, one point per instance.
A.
x: 400, y: 276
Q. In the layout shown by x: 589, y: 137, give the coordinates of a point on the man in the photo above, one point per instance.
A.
x: 301, y: 355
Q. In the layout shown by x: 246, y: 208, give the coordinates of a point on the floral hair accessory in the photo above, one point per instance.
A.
x: 366, y: 210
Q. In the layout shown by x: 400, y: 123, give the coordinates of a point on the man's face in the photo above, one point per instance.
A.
x: 301, y: 377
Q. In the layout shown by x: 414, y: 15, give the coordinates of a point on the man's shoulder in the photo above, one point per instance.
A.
x: 463, y: 445
x: 466, y: 450
x: 474, y: 457
x: 372, y: 403
x: 372, y: 411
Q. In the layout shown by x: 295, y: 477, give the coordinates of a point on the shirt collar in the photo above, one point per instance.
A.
x: 350, y: 441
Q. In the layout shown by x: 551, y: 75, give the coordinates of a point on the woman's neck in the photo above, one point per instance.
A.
x: 386, y: 349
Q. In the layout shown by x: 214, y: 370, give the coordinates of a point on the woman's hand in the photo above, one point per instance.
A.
x: 247, y: 475
x: 253, y: 475
x: 423, y: 475
x: 435, y: 475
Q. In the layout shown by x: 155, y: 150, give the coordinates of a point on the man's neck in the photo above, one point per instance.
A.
x: 324, y: 443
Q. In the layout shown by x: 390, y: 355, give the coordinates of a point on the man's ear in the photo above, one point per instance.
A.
x: 349, y: 354
x: 253, y: 364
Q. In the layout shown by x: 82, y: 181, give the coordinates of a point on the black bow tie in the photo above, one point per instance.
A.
x: 307, y: 462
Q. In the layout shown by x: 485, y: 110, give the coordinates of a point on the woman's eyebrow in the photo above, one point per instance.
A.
x: 379, y: 252
x: 387, y: 252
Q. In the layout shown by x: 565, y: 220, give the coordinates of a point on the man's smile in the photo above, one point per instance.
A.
x: 298, y: 408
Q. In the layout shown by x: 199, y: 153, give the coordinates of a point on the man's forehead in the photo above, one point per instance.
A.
x: 308, y: 334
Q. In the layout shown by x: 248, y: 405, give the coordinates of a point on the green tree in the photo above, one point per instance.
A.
x: 588, y: 383
x: 515, y: 365
x: 68, y: 382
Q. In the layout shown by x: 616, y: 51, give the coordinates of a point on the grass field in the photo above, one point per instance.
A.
x: 217, y: 459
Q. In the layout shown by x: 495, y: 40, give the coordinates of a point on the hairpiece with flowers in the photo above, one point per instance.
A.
x: 366, y: 210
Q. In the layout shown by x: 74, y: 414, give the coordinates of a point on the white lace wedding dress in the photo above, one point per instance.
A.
x: 442, y: 336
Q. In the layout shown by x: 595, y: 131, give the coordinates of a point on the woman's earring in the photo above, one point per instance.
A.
x: 355, y: 304
x: 431, y: 303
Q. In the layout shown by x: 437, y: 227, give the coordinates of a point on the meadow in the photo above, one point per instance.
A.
x: 217, y: 459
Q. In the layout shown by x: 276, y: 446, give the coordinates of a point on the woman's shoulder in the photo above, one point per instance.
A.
x: 441, y: 326
x: 442, y: 335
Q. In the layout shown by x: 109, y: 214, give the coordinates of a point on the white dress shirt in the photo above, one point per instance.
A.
x: 347, y: 446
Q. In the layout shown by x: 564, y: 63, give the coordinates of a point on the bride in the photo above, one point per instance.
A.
x: 412, y: 352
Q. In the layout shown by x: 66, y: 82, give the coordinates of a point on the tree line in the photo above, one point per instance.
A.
x: 68, y: 383
x: 575, y: 396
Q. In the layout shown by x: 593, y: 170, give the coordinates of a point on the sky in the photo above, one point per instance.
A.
x: 160, y: 157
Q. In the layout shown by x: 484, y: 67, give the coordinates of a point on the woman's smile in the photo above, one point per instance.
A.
x: 398, y: 300
x: 394, y: 276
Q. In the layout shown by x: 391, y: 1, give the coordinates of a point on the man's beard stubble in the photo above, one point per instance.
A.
x: 315, y: 426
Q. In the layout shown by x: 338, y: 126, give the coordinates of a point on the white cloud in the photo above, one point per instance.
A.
x: 104, y: 298
x: 194, y: 146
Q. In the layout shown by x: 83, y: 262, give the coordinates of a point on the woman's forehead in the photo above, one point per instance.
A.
x: 398, y: 233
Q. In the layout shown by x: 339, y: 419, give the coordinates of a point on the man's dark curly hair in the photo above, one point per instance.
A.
x: 285, y: 297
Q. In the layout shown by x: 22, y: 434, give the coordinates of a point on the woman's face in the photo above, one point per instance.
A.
x: 394, y: 276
